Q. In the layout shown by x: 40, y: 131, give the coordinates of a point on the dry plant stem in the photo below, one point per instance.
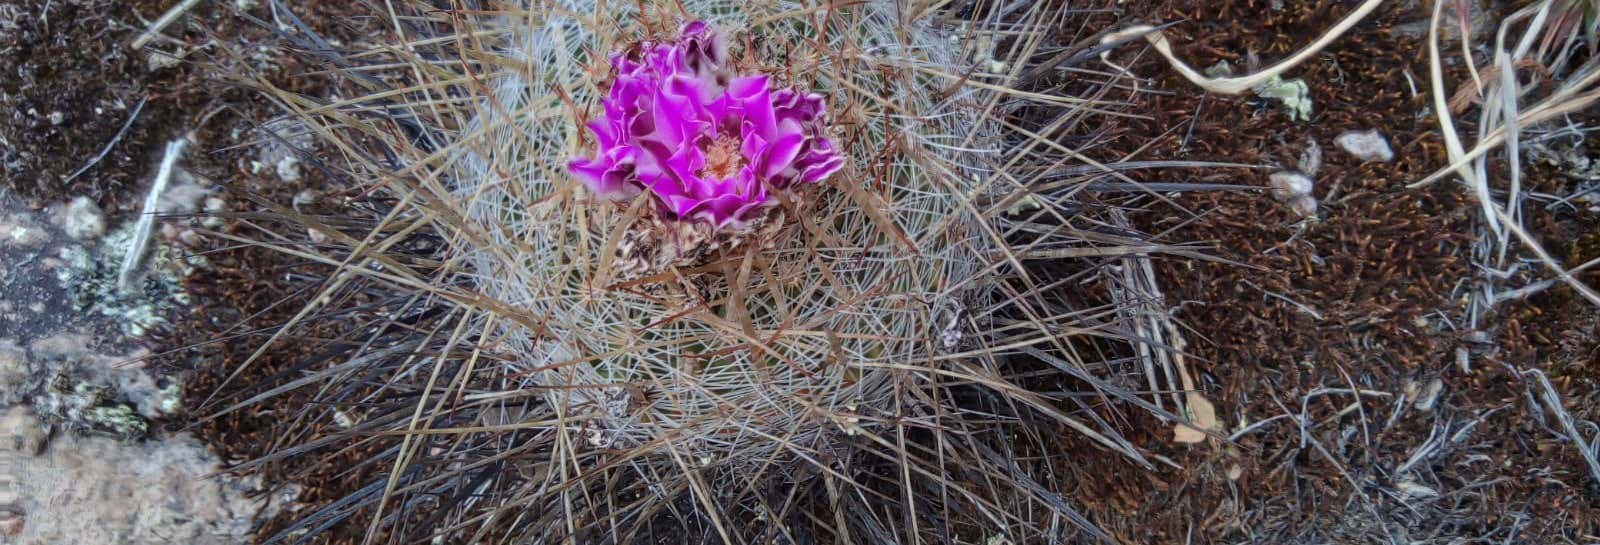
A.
x: 112, y: 144
x: 1552, y: 401
x: 1240, y: 84
x: 1562, y: 103
x: 1493, y: 213
x: 338, y: 281
x: 147, y: 216
x: 161, y: 23
x: 407, y: 448
x: 1452, y: 141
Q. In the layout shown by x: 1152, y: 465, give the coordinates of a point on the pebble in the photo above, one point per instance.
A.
x: 214, y: 207
x: 1429, y: 396
x: 1368, y: 146
x: 182, y: 198
x: 81, y: 219
x: 21, y: 431
x: 1294, y: 189
x: 304, y: 198
x: 1304, y: 205
x: 1288, y: 184
x: 288, y: 169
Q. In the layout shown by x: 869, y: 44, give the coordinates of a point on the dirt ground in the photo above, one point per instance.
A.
x: 1333, y: 347
x: 85, y: 116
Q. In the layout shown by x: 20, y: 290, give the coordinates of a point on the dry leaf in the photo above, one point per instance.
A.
x: 1204, y: 416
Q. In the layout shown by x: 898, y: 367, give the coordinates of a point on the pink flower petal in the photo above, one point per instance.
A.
x: 670, y: 102
x: 780, y: 154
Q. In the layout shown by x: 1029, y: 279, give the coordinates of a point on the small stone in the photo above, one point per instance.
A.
x: 191, y: 239
x: 1430, y: 395
x: 1368, y: 146
x: 81, y: 219
x: 161, y: 60
x: 1311, y: 158
x: 214, y: 207
x: 57, y: 118
x: 1288, y: 184
x: 305, y: 198
x: 288, y: 169
x: 1305, y: 206
x: 21, y: 431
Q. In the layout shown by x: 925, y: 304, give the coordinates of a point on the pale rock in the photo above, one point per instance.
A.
x: 288, y: 169
x: 182, y: 198
x: 20, y: 231
x: 1304, y: 205
x: 80, y: 219
x: 1430, y: 396
x: 1289, y: 184
x: 1368, y: 146
x: 21, y: 431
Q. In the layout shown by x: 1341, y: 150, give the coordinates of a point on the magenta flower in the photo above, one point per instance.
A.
x: 705, y: 146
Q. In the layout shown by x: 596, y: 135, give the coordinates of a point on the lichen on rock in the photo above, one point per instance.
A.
x: 82, y: 404
x: 89, y: 275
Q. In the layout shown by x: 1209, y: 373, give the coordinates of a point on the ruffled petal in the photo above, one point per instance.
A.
x: 750, y: 98
x: 780, y: 154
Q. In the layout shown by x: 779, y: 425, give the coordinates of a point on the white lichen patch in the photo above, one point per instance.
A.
x: 89, y: 275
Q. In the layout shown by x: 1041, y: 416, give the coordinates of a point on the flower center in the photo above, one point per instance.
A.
x: 723, y: 158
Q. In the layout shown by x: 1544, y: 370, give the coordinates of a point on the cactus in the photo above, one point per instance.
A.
x: 610, y: 357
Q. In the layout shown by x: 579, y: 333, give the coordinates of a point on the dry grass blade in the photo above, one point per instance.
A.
x: 1473, y: 167
x: 1240, y: 84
